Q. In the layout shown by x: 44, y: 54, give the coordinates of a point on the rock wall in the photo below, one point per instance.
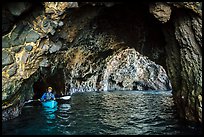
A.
x: 184, y: 57
x: 186, y: 69
x: 103, y: 46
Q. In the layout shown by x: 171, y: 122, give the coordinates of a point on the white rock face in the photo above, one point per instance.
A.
x: 129, y: 70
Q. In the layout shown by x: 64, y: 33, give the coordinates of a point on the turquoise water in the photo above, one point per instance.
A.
x: 118, y: 112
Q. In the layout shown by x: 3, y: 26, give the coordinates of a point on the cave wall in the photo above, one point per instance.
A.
x: 184, y: 57
x: 85, y: 39
x: 185, y: 62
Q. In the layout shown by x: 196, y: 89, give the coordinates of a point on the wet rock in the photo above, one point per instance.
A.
x: 29, y: 47
x: 60, y: 23
x: 161, y: 11
x: 191, y: 58
x: 12, y: 70
x: 184, y: 61
x: 93, y: 60
x: 16, y: 49
x: 49, y: 26
x: 24, y: 57
x: 6, y: 42
x: 19, y: 34
x: 55, y: 47
x: 17, y: 8
x: 59, y: 7
x: 44, y: 63
x: 7, y: 58
x: 10, y: 113
x: 15, y: 41
x: 32, y: 36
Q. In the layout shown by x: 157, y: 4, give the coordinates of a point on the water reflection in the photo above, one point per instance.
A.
x: 49, y: 113
x: 129, y: 113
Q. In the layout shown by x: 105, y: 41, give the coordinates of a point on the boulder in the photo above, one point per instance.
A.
x: 55, y: 47
x: 28, y: 47
x: 44, y: 63
x: 161, y: 11
x: 16, y: 49
x: 18, y: 35
x: 6, y: 42
x: 12, y: 70
x: 32, y: 36
x: 7, y: 58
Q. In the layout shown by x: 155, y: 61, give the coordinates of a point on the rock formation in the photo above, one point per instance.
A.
x: 102, y: 46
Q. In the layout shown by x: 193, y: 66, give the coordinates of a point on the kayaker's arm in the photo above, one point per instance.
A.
x: 53, y: 96
x: 43, y: 97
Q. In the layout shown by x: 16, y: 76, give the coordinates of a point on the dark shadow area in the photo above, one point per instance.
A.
x: 56, y: 81
x: 134, y: 26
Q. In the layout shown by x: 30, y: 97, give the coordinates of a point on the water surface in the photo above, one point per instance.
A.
x: 118, y: 112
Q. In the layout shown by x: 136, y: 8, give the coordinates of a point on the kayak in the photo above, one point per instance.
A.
x: 49, y: 104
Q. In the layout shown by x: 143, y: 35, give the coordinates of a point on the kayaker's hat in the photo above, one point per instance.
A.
x: 49, y: 88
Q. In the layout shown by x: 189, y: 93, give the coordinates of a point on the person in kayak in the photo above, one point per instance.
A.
x: 48, y: 95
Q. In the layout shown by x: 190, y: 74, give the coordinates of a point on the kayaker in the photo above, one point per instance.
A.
x: 48, y: 95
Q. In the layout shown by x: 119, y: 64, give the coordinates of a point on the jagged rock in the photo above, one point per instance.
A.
x: 15, y: 40
x: 58, y: 8
x: 93, y: 40
x: 194, y: 6
x: 44, y: 63
x: 11, y: 113
x: 18, y: 35
x: 161, y: 11
x: 12, y: 70
x: 5, y: 42
x: 29, y: 47
x: 32, y: 36
x: 55, y: 47
x: 184, y: 65
x: 132, y: 71
x: 16, y: 49
x: 7, y: 58
x: 49, y: 26
x: 191, y: 72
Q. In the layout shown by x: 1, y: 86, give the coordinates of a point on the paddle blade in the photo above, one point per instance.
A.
x: 66, y: 97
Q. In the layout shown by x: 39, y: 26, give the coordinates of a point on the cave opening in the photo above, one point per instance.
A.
x: 48, y: 79
x: 136, y: 27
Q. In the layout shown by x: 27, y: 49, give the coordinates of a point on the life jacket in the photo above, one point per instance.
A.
x: 48, y: 96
